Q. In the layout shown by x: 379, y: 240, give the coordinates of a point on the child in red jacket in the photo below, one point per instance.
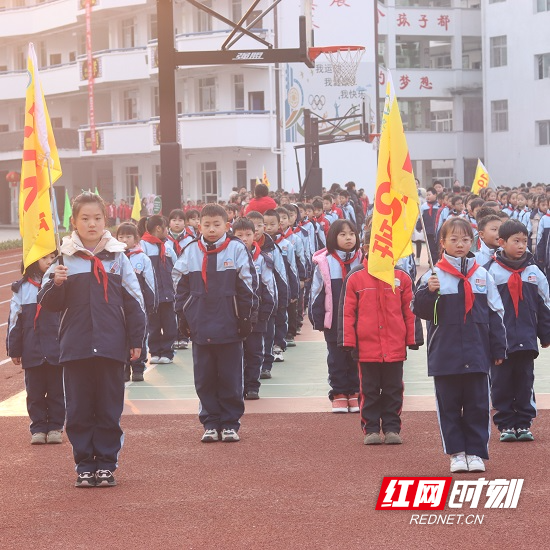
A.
x: 378, y: 325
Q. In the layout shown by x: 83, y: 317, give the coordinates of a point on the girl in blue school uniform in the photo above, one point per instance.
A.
x: 127, y: 233
x: 466, y: 335
x: 103, y: 316
x: 32, y: 342
x: 332, y: 264
x: 163, y: 329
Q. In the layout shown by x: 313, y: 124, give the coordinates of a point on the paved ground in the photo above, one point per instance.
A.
x: 300, y: 477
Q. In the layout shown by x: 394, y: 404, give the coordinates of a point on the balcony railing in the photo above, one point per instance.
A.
x: 65, y: 139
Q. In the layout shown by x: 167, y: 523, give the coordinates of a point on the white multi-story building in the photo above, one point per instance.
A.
x: 516, y: 99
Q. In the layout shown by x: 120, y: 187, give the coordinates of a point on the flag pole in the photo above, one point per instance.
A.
x: 430, y: 259
x: 53, y: 204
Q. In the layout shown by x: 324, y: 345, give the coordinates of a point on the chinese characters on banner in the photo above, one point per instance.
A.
x: 424, y: 82
x: 423, y: 20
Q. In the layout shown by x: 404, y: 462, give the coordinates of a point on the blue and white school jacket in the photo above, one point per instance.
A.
x: 456, y: 346
x: 543, y: 243
x: 293, y: 235
x: 143, y: 268
x: 524, y: 216
x: 288, y: 252
x: 533, y: 318
x: 32, y: 331
x: 101, y: 305
x: 213, y: 301
x: 163, y: 270
x: 279, y: 272
x: 349, y: 212
x: 484, y: 254
x: 267, y: 291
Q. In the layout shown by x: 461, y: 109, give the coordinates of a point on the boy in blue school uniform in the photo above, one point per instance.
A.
x: 524, y: 292
x: 346, y: 206
x: 271, y: 250
x: 253, y: 346
x: 215, y: 283
x: 429, y: 211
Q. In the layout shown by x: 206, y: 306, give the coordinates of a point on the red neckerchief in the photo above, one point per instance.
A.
x: 148, y: 238
x: 344, y: 263
x: 261, y: 242
x: 289, y: 232
x: 38, y: 306
x: 479, y: 243
x: 469, y: 297
x: 177, y: 246
x: 281, y: 238
x: 256, y: 250
x: 338, y: 211
x: 209, y: 253
x: 132, y: 252
x: 515, y: 284
x: 99, y: 271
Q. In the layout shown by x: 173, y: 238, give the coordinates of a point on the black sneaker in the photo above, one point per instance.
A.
x: 524, y: 434
x: 105, y: 478
x: 137, y: 377
x: 86, y: 479
x: 265, y: 375
x: 252, y: 395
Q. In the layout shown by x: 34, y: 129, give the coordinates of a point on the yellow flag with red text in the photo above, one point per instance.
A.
x: 396, y: 200
x: 39, y: 153
x: 481, y: 178
x: 265, y: 181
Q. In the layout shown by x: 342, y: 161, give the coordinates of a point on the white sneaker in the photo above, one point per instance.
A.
x: 210, y: 436
x: 459, y: 463
x: 475, y: 463
x: 230, y: 436
x: 278, y: 357
x: 164, y: 361
x: 154, y: 359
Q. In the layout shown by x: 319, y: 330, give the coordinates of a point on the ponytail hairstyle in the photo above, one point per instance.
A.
x: 148, y: 224
x: 128, y: 228
x: 87, y: 198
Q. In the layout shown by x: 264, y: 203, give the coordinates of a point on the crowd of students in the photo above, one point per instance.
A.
x: 237, y: 282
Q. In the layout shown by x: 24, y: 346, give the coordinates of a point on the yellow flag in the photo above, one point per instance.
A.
x: 396, y: 200
x: 481, y: 179
x: 39, y: 153
x: 265, y: 181
x: 136, y: 209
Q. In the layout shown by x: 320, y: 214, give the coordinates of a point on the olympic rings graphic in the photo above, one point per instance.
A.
x: 317, y: 102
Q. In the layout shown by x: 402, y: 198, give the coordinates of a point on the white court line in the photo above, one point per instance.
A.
x: 12, y: 271
x: 5, y: 302
x: 5, y: 361
x: 4, y: 325
x: 264, y: 385
x: 14, y: 256
x: 3, y: 286
x: 9, y: 263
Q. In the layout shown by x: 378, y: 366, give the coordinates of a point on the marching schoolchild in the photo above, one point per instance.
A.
x: 524, y: 292
x: 346, y: 206
x: 522, y: 213
x: 378, y: 325
x: 488, y: 242
x: 332, y: 265
x: 232, y: 213
x: 253, y: 345
x: 192, y: 219
x: 215, y: 284
x: 331, y: 211
x: 540, y: 209
x: 98, y: 292
x: 466, y: 335
x: 512, y: 203
x: 127, y: 233
x: 444, y: 201
x: 163, y: 330
x: 272, y: 222
x: 429, y: 211
x: 271, y: 250
x: 288, y: 234
x: 180, y: 235
x: 321, y: 221
x: 32, y: 342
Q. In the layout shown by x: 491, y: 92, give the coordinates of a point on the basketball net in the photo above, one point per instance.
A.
x: 344, y: 65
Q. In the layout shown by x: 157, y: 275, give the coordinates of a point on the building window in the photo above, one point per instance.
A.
x: 207, y: 94
x: 423, y: 53
x: 240, y: 173
x: 443, y: 171
x: 130, y: 105
x: 132, y: 181
x: 204, y: 20
x: 155, y: 100
x: 236, y: 10
x: 129, y: 33
x: 471, y: 52
x: 153, y: 27
x: 495, y: 1
x: 57, y: 122
x: 209, y: 181
x: 425, y: 115
x: 499, y: 115
x: 543, y: 132
x: 542, y: 66
x: 238, y: 87
x: 442, y: 121
x: 472, y: 115
x: 499, y: 56
x: 256, y: 101
x: 423, y: 3
x: 543, y: 5
x: 55, y: 59
x: 470, y: 166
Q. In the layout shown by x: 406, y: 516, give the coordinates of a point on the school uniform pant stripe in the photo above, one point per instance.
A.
x: 218, y: 370
x: 381, y: 396
x: 464, y: 413
x: 512, y: 391
x: 45, y: 398
x: 94, y: 393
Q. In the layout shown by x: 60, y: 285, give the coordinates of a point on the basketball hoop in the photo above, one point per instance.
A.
x: 344, y: 60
